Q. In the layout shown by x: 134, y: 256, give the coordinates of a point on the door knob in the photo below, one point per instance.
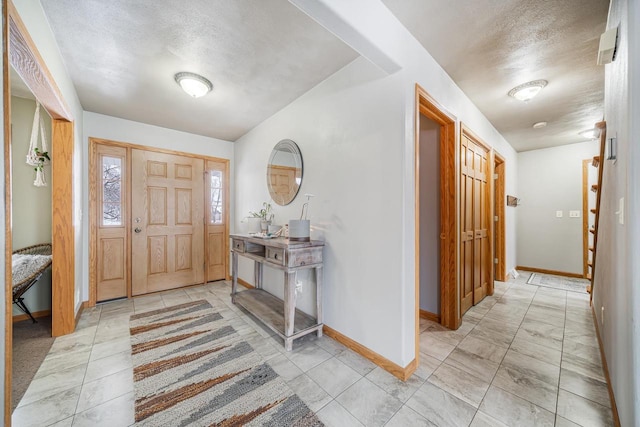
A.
x: 137, y: 229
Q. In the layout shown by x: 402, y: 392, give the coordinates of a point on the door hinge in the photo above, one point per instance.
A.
x: 495, y: 176
x: 495, y: 260
x: 495, y: 218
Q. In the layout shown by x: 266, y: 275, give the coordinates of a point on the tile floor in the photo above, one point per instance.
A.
x: 525, y: 356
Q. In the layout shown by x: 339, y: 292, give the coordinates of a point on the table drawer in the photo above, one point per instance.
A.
x: 275, y: 255
x: 238, y: 245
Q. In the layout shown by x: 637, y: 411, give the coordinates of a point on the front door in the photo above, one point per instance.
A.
x: 167, y: 239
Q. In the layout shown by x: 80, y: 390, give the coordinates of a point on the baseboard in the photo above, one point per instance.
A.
x: 245, y: 283
x: 554, y: 272
x: 84, y: 305
x: 429, y: 316
x: 396, y: 370
x: 21, y: 317
x: 605, y: 368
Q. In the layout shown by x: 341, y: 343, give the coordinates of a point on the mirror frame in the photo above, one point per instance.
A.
x: 293, y: 148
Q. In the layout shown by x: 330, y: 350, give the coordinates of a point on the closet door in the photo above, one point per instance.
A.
x: 167, y: 239
x: 481, y: 250
x: 475, y: 212
x: 467, y: 172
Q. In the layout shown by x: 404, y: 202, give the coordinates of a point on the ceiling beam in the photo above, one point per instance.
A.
x: 367, y: 26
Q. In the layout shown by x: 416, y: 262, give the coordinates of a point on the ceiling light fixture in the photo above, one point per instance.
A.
x: 526, y: 91
x: 193, y: 84
x: 539, y: 125
x: 590, y: 133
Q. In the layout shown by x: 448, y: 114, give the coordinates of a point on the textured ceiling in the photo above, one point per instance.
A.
x: 259, y: 55
x: 491, y: 46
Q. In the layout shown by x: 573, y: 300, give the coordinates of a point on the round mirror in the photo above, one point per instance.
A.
x: 284, y: 172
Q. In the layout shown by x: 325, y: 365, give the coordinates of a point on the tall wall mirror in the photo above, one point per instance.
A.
x: 284, y: 172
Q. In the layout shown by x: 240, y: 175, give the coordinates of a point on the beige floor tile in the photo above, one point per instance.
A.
x: 585, y: 386
x: 102, y: 390
x: 408, y: 417
x: 441, y: 408
x: 333, y: 376
x: 371, y: 405
x: 434, y: 347
x: 118, y: 412
x: 483, y: 420
x: 514, y: 411
x: 311, y: 394
x: 52, y: 409
x: 401, y: 390
x: 582, y: 411
x: 460, y: 384
x: 334, y: 415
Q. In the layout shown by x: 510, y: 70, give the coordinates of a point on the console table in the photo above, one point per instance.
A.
x: 290, y: 257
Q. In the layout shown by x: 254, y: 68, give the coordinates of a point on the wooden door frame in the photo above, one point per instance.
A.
x: 449, y: 313
x: 466, y: 131
x: 93, y: 208
x: 499, y: 196
x: 20, y: 51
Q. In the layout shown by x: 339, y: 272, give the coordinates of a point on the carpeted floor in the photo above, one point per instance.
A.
x: 31, y: 343
x: 190, y: 367
x: 559, y: 282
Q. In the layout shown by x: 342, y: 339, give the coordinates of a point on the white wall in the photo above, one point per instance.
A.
x: 31, y: 205
x: 356, y: 133
x: 429, y: 215
x: 617, y: 276
x: 550, y: 180
x: 116, y: 129
x: 38, y: 27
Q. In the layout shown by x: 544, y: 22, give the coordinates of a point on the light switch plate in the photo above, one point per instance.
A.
x: 558, y: 214
x: 574, y: 214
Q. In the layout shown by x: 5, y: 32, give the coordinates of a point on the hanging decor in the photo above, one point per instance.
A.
x: 38, y: 157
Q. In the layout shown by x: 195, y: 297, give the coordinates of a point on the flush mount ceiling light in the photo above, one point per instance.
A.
x: 525, y: 92
x: 193, y: 84
x: 590, y: 133
x: 539, y: 125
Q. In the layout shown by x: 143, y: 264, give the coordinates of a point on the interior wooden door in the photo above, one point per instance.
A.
x: 467, y: 172
x: 110, y: 181
x: 167, y: 221
x: 482, y: 257
x: 476, y: 260
x: 216, y: 219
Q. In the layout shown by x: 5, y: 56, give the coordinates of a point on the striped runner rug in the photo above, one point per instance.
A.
x: 191, y: 368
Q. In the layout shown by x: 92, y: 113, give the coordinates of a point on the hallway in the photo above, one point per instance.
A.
x: 526, y: 356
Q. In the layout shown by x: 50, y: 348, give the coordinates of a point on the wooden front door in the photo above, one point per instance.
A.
x: 167, y: 221
x: 475, y: 255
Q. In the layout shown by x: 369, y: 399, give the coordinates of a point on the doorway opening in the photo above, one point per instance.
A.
x: 435, y: 239
x: 21, y: 53
x: 429, y: 221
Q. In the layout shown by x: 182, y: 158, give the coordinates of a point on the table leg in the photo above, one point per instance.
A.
x: 289, y: 307
x: 234, y: 274
x: 257, y: 274
x: 319, y: 298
